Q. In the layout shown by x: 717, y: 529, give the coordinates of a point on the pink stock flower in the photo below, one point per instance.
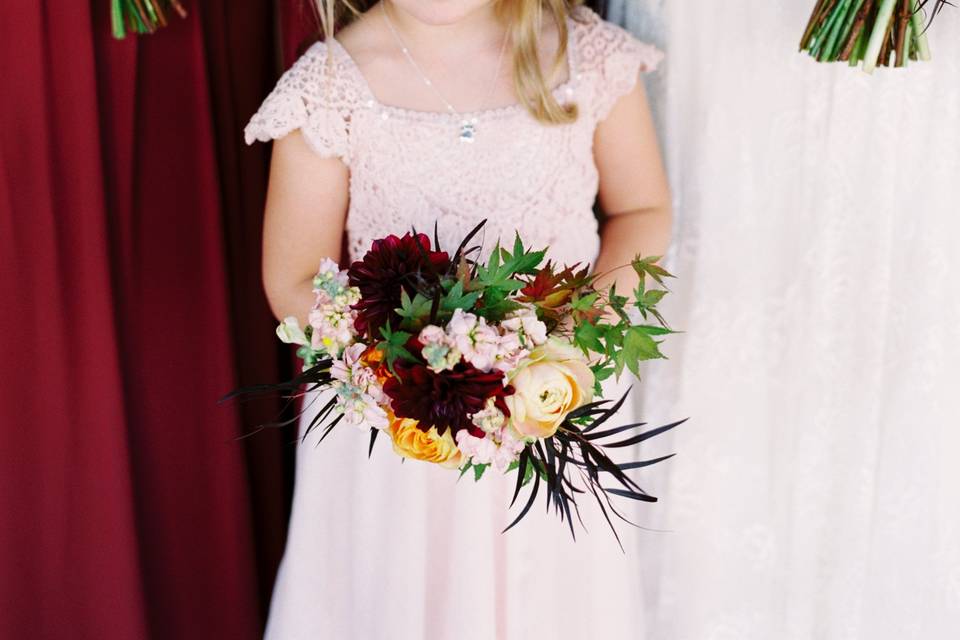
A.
x: 439, y: 350
x: 510, y: 351
x: 360, y: 396
x: 490, y: 418
x: 499, y: 446
x: 499, y: 449
x: 332, y: 318
x: 478, y: 450
x: 509, y: 450
x: 477, y: 342
x: 524, y: 322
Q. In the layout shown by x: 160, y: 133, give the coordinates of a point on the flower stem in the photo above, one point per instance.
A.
x: 819, y: 45
x: 839, y: 38
x: 856, y: 54
x: 902, y: 39
x: 815, y: 19
x: 856, y: 32
x: 116, y: 19
x: 878, y: 38
x: 838, y: 44
x: 916, y: 18
x: 838, y: 18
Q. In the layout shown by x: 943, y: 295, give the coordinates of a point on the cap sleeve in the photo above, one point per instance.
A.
x: 311, y: 96
x: 614, y: 59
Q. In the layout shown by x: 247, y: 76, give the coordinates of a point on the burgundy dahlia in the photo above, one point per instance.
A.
x: 391, y: 265
x: 445, y: 399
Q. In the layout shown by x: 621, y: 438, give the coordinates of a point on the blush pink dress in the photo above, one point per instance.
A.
x: 391, y: 550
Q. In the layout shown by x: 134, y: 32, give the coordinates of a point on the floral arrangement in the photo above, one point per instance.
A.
x: 471, y: 365
x: 874, y: 32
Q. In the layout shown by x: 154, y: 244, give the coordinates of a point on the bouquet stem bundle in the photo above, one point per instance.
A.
x: 142, y: 16
x: 874, y: 32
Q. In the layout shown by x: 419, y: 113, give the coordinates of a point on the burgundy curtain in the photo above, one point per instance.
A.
x: 130, y: 301
x: 130, y: 218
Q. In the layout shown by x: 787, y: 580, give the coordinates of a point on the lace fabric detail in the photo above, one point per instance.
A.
x: 316, y: 95
x: 409, y: 169
x: 614, y: 58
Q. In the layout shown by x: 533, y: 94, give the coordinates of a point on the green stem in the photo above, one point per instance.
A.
x: 857, y: 55
x: 884, y: 15
x: 844, y: 33
x: 831, y: 36
x: 815, y: 18
x: 913, y: 43
x: 149, y: 7
x: 904, y: 33
x: 133, y: 11
x: 842, y: 30
x: 820, y: 40
x: 116, y: 19
x: 916, y: 19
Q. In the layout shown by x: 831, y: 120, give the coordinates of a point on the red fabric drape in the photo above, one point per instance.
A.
x: 243, y: 62
x: 129, y: 238
x: 130, y: 300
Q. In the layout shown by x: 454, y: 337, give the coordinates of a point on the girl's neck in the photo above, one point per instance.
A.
x: 458, y: 33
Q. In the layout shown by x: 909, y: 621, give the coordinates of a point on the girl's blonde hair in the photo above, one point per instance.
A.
x: 525, y: 21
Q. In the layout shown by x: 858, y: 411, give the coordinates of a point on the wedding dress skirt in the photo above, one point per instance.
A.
x: 396, y: 549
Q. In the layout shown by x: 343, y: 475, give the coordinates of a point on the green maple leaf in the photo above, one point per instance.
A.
x: 415, y: 312
x: 584, y: 303
x: 521, y: 260
x: 638, y: 346
x: 496, y: 304
x: 652, y: 330
x: 587, y: 337
x: 647, y: 267
x: 503, y: 265
x: 393, y: 346
x: 455, y: 298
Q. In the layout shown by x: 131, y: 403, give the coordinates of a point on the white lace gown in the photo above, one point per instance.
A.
x: 380, y: 549
x: 816, y: 491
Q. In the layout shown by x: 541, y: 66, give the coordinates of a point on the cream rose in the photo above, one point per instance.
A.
x: 410, y: 441
x: 549, y: 383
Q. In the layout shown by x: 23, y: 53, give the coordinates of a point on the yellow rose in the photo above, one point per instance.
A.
x: 410, y: 441
x: 551, y: 382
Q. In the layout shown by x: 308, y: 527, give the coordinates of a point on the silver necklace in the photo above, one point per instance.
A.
x: 468, y: 126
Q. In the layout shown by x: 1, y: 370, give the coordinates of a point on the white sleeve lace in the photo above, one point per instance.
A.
x: 313, y: 96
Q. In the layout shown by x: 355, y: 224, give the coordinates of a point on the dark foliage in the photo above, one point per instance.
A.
x: 574, y: 463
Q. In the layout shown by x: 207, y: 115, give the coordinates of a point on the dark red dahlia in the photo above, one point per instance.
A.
x: 391, y: 265
x: 446, y: 399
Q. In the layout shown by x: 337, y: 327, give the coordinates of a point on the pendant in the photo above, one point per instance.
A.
x: 468, y: 130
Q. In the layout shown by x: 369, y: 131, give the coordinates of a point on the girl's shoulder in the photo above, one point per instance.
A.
x: 316, y: 93
x: 608, y: 57
x: 596, y: 40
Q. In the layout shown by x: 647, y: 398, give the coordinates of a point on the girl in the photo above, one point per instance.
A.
x: 418, y: 112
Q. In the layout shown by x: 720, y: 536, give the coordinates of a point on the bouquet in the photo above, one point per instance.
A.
x: 472, y: 364
x: 869, y: 31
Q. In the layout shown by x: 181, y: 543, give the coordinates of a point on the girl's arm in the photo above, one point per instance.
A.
x: 634, y: 193
x: 306, y: 207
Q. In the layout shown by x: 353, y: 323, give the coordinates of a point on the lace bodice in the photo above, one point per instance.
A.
x: 409, y: 168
